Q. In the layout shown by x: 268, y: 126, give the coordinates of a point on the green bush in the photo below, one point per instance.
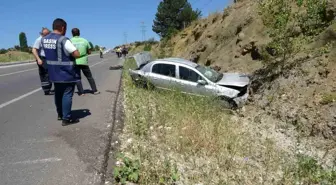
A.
x: 314, y: 21
x: 128, y: 171
x: 310, y: 172
x: 292, y: 27
x: 148, y: 47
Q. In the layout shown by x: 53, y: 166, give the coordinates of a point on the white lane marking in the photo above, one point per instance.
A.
x: 18, y: 72
x: 7, y: 74
x: 98, y: 63
x: 16, y: 65
x: 19, y: 98
x: 47, y: 160
x: 32, y: 92
x: 45, y: 140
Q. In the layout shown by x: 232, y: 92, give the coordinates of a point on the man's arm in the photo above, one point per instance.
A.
x: 36, y: 46
x: 88, y: 48
x: 70, y: 48
x: 34, y: 51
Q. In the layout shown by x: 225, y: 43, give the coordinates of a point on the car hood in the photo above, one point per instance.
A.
x: 142, y: 58
x: 234, y: 79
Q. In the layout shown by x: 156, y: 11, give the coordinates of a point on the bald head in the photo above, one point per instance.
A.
x: 75, y: 32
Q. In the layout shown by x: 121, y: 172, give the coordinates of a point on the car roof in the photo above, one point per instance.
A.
x: 180, y: 61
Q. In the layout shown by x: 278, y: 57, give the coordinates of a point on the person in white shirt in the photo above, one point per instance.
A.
x: 39, y: 55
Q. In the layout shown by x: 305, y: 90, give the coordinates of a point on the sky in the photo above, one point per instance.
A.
x: 103, y: 22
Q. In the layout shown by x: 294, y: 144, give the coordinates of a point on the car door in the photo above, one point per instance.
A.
x: 187, y: 82
x: 163, y: 75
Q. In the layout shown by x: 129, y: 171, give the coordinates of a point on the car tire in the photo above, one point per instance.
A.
x: 149, y: 85
x: 142, y: 83
x: 138, y: 82
x: 228, y: 103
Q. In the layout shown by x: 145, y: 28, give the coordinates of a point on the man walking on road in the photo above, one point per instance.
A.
x: 84, y: 49
x: 41, y: 63
x: 60, y: 55
x: 119, y: 52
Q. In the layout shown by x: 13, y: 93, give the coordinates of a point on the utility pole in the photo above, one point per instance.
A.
x: 143, y: 30
x: 125, y: 37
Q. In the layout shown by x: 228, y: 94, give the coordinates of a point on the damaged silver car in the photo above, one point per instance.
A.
x: 190, y: 78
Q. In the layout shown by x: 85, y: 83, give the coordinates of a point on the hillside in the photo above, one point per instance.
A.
x: 293, y: 94
x: 286, y: 134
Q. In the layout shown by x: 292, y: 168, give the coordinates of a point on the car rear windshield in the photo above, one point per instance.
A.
x: 209, y: 73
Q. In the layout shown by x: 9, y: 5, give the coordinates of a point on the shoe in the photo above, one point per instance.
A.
x: 81, y: 94
x: 97, y: 92
x: 59, y: 118
x: 46, y: 93
x: 66, y: 122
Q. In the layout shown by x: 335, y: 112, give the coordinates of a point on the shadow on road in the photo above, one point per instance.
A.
x: 80, y: 113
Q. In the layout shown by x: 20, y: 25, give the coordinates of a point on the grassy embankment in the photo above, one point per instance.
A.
x: 171, y: 138
x: 21, y: 56
x: 16, y: 56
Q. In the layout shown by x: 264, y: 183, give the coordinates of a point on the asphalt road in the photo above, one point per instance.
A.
x: 34, y: 148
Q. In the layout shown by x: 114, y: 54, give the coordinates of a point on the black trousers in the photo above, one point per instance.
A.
x: 44, y: 77
x: 124, y: 53
x: 87, y: 73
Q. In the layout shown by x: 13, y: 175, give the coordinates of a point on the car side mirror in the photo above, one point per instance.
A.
x: 201, y: 82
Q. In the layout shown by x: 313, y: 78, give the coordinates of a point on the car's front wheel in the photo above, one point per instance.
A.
x: 142, y: 83
x: 228, y: 103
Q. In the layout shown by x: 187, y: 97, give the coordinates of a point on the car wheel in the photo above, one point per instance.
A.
x: 148, y: 85
x: 142, y: 83
x: 228, y: 103
x: 138, y: 82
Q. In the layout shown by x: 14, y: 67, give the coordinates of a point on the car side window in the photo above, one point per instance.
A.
x: 164, y: 69
x: 189, y: 75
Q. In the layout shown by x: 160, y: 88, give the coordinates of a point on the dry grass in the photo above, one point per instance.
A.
x: 180, y: 139
x: 16, y: 56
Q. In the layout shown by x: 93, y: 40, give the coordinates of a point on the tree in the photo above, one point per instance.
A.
x: 187, y: 15
x: 3, y: 51
x: 91, y: 45
x: 23, y: 41
x: 173, y: 15
x: 97, y: 48
x: 17, y: 47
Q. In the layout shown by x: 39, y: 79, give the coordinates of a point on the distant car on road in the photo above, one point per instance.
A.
x: 190, y: 78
